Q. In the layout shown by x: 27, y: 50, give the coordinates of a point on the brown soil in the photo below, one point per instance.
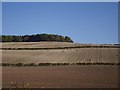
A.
x: 62, y: 76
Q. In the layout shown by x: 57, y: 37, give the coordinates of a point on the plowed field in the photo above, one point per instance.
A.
x: 62, y: 76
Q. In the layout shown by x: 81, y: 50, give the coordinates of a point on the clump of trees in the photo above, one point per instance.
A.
x: 35, y: 38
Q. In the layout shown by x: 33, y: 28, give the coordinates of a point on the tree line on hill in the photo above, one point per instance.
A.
x: 35, y: 38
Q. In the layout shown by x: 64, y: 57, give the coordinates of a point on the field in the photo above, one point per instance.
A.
x: 62, y: 76
x: 92, y: 55
x: 48, y: 45
x: 70, y: 55
x: 69, y: 76
x: 37, y: 44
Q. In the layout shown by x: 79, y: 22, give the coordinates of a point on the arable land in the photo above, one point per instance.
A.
x: 60, y: 65
x: 90, y: 55
x: 62, y: 76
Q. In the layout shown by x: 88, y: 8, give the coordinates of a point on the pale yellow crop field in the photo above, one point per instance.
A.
x: 44, y: 44
x: 37, y: 44
x: 70, y: 55
x: 92, y: 55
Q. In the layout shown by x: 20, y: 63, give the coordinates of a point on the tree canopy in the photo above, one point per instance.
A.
x: 35, y: 38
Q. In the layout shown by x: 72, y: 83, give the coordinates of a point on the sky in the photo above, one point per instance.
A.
x: 0, y: 18
x: 84, y: 22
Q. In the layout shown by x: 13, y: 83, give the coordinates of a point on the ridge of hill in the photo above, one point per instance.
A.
x: 52, y: 45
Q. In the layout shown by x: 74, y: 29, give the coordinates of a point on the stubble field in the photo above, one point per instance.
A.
x: 87, y: 55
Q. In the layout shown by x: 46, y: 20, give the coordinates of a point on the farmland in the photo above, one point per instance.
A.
x: 49, y: 45
x: 36, y: 44
x: 66, y: 76
x: 69, y: 55
x: 62, y: 76
x: 92, y: 55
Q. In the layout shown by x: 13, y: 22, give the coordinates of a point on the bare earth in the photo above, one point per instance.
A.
x: 62, y: 76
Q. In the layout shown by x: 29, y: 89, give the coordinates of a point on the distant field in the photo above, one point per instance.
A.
x: 37, y: 44
x: 50, y: 45
x: 70, y: 55
x: 88, y: 55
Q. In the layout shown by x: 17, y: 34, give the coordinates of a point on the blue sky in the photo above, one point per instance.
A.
x: 83, y: 22
x: 0, y: 18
